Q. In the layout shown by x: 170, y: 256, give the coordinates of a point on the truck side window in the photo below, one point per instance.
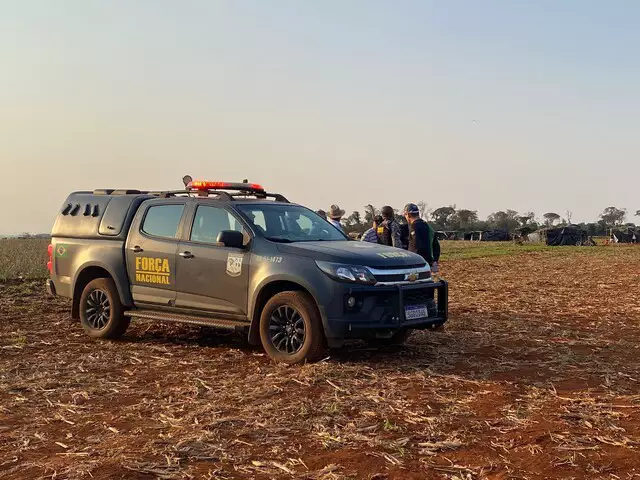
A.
x: 163, y: 220
x: 210, y: 221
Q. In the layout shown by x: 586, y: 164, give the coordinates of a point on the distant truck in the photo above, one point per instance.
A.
x: 231, y: 255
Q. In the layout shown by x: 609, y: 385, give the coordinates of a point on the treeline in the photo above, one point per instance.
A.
x: 451, y: 218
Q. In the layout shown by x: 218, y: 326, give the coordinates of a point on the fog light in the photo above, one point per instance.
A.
x: 351, y: 302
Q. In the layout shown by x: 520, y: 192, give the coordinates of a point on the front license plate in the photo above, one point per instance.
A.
x: 413, y: 312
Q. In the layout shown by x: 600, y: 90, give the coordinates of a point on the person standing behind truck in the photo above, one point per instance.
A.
x: 422, y: 238
x: 389, y: 231
x: 371, y: 235
x: 335, y: 215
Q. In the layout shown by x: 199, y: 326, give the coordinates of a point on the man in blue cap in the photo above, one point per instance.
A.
x: 422, y: 238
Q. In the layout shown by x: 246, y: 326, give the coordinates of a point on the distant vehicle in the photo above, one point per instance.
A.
x: 231, y: 255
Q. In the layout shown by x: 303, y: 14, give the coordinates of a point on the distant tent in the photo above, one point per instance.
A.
x: 472, y: 236
x: 488, y: 236
x: 569, y: 235
x: 497, y: 235
x: 442, y: 235
x: 536, y: 237
x: 627, y: 235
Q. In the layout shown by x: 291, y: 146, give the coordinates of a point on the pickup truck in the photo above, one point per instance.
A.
x: 232, y: 256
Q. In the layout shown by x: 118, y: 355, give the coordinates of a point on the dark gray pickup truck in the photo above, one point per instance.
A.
x: 231, y: 255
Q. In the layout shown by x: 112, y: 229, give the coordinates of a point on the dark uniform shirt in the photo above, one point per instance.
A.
x: 423, y: 241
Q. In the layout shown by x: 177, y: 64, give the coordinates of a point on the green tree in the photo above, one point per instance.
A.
x: 613, y: 216
x: 550, y: 218
x: 464, y: 219
x: 354, y: 219
x: 369, y: 212
x: 424, y: 209
x: 526, y: 219
x: 504, y: 220
x: 442, y: 215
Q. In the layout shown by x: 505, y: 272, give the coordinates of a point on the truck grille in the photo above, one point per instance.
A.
x: 404, y: 274
x: 418, y: 296
x: 401, y: 277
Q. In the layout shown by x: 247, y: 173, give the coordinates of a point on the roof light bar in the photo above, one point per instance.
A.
x: 205, y: 185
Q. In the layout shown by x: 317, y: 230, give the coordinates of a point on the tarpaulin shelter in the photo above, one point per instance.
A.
x: 488, y: 236
x: 442, y: 235
x: 569, y: 235
x: 498, y: 235
x: 625, y: 235
x: 472, y: 236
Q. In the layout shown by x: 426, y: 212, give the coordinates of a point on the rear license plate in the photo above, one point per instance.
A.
x: 414, y: 312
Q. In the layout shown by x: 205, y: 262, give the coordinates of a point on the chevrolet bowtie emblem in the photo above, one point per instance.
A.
x: 411, y: 277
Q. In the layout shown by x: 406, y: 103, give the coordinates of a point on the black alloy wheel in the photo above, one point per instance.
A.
x: 98, y: 309
x: 287, y: 330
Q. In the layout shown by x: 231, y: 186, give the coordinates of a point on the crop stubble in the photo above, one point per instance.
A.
x: 536, y: 376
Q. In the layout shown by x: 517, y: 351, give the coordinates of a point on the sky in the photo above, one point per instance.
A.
x: 485, y: 104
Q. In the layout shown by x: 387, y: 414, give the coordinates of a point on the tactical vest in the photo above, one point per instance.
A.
x: 384, y: 234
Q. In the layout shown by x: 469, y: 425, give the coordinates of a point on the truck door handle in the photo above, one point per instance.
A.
x: 186, y: 254
x: 137, y: 249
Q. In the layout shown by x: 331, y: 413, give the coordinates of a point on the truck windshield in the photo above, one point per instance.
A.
x: 290, y: 223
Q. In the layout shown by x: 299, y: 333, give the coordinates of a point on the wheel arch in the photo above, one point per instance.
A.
x: 264, y: 294
x: 86, y: 274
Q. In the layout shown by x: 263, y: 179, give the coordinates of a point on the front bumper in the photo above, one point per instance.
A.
x: 380, y: 310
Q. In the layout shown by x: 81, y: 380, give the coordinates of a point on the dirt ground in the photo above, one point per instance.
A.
x: 537, y: 375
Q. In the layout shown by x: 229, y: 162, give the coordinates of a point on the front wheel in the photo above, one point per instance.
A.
x: 101, y: 313
x: 291, y: 328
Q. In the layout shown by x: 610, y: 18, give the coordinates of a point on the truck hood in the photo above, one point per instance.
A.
x: 354, y: 253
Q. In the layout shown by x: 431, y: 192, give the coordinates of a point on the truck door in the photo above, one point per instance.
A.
x: 211, y: 277
x: 151, y: 253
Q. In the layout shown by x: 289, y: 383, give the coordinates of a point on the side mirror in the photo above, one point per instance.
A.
x: 231, y: 239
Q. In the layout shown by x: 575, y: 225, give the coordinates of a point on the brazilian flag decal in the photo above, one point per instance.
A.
x: 61, y: 250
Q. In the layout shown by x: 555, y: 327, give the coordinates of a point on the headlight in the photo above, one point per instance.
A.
x: 347, y: 273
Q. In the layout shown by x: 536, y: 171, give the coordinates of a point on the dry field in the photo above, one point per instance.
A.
x: 537, y: 375
x: 23, y: 258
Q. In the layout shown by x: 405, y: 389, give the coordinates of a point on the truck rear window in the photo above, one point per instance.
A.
x: 163, y: 220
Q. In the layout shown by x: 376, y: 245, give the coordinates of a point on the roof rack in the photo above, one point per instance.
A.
x: 227, y: 191
x: 221, y: 195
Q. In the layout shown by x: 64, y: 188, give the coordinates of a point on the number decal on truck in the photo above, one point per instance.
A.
x: 153, y: 270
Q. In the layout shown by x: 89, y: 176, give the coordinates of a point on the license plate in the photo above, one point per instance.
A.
x: 413, y: 312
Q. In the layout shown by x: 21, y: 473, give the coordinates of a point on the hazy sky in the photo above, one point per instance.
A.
x: 484, y: 104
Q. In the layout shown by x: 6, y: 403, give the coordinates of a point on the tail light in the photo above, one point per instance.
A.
x: 50, y: 262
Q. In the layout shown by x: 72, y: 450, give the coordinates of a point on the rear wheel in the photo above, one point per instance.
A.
x: 101, y: 313
x: 291, y: 328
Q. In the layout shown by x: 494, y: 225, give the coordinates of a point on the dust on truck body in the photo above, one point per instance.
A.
x: 231, y: 255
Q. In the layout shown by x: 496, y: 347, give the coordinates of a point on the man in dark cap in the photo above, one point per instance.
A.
x: 422, y: 238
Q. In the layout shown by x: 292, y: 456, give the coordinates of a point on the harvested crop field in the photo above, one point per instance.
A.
x: 537, y: 375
